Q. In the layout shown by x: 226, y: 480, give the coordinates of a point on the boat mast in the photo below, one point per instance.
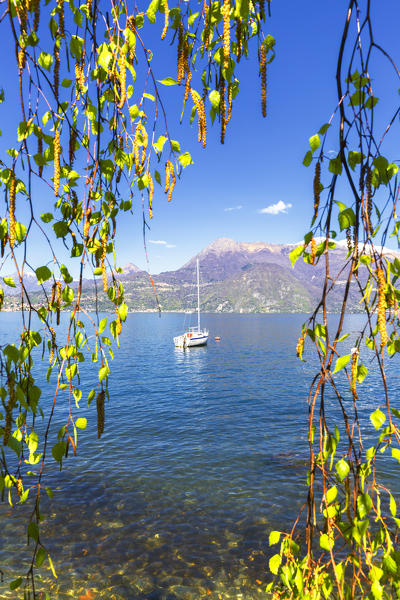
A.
x: 198, y: 297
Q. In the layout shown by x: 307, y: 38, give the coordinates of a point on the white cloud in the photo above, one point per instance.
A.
x: 233, y: 208
x: 275, y: 209
x: 162, y: 243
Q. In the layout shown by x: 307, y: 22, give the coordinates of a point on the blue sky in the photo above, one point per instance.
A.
x: 254, y: 187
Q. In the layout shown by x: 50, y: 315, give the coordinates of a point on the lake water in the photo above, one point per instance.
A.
x: 204, y: 453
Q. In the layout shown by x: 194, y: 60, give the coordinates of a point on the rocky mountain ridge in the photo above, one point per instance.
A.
x: 235, y: 277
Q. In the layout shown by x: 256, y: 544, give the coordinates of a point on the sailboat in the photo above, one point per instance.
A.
x: 194, y: 336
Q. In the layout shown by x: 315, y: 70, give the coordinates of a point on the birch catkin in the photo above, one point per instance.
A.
x: 122, y: 79
x: 166, y: 19
x: 13, y: 188
x: 100, y: 412
x: 238, y: 40
x: 58, y: 301
x: 56, y: 70
x: 313, y: 250
x: 222, y: 109
x: 180, y: 65
x: 263, y: 72
x: 53, y: 344
x: 151, y: 193
x: 72, y: 145
x: 201, y: 115
x: 36, y: 10
x: 354, y: 369
x: 57, y: 150
x: 226, y: 9
x: 300, y: 346
x: 170, y: 179
x: 61, y: 23
x: 102, y: 262
x: 86, y: 226
x: 317, y: 188
x: 382, y: 306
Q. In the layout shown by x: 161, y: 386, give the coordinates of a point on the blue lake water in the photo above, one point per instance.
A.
x: 204, y: 453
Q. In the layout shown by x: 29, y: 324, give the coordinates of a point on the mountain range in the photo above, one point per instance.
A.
x: 235, y: 277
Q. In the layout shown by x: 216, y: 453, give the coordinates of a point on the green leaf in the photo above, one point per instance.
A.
x: 392, y: 505
x: 103, y: 372
x: 315, y: 142
x: 43, y: 274
x: 357, y: 98
x: 45, y: 60
x: 65, y: 274
x: 76, y: 47
x: 396, y: 454
x: 24, y: 130
x: 71, y: 371
x: 214, y: 97
x: 325, y: 542
x: 9, y: 281
x: 324, y: 128
x: 341, y: 362
x: 295, y: 254
x: 33, y: 531
x: 346, y: 218
x: 105, y: 58
x: 152, y: 9
x: 16, y: 583
x: 60, y: 229
x: 389, y: 565
x: 68, y: 294
x: 107, y: 168
x: 123, y: 311
x: 362, y: 372
x: 364, y: 505
x: 185, y: 159
x: 20, y: 232
x: 81, y: 423
x: 33, y: 441
x: 275, y: 563
x: 377, y: 418
x: 376, y: 590
x: 168, y: 81
x: 331, y: 494
x: 307, y: 160
x: 175, y: 146
x: 274, y: 537
x: 342, y: 468
x: 102, y: 325
x: 58, y: 450
x: 40, y: 556
x: 371, y: 102
x: 335, y: 166
x: 354, y: 158
x: 159, y: 145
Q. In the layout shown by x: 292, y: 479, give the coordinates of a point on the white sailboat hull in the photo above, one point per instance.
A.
x: 190, y: 339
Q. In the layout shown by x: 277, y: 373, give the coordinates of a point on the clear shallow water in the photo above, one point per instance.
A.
x: 204, y: 453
